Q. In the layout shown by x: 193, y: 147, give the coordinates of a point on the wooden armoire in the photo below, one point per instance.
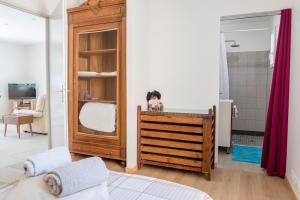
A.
x: 97, y: 75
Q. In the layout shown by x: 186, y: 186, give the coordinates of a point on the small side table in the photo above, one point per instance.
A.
x: 18, y: 120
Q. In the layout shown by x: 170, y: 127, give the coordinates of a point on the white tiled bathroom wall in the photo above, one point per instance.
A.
x: 249, y: 80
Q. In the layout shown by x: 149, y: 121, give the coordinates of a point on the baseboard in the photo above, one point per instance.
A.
x: 39, y: 133
x: 290, y: 187
x: 131, y: 170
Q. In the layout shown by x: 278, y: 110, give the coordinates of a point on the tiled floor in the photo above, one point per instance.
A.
x: 225, y: 160
x: 14, y: 150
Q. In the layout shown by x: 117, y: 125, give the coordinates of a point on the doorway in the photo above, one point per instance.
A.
x: 23, y: 86
x: 248, y: 46
x: 35, y: 58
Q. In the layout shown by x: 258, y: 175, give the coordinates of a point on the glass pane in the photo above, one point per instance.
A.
x: 97, y: 82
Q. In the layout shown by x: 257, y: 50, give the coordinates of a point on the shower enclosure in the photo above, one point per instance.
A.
x: 250, y: 77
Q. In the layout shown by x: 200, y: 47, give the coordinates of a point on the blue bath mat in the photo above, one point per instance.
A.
x: 250, y: 154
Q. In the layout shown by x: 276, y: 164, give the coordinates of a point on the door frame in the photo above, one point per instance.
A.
x: 65, y: 86
x: 239, y: 17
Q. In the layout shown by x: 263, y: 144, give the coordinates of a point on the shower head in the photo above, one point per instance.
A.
x: 234, y: 45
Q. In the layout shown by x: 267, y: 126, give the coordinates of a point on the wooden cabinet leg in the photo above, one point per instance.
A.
x: 5, y: 129
x: 30, y: 128
x: 123, y: 163
x: 208, y: 175
x: 18, y: 130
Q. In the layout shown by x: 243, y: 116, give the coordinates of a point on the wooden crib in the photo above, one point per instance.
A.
x: 181, y: 139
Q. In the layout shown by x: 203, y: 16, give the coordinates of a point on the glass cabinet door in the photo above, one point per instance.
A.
x: 98, y: 82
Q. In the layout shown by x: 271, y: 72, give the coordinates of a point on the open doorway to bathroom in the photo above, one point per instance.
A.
x: 248, y: 44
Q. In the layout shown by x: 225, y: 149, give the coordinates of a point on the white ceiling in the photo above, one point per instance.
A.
x: 248, y: 23
x: 43, y: 7
x: 20, y: 27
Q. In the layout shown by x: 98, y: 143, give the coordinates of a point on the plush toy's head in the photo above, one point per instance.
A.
x: 153, y: 95
x: 154, y: 102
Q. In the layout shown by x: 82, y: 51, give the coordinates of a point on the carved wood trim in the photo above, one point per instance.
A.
x: 94, y: 5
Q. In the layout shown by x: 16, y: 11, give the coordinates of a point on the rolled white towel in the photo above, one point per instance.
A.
x: 46, y: 161
x: 87, y: 74
x: 76, y: 176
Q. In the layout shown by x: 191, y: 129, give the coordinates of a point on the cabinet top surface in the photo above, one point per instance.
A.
x: 178, y: 111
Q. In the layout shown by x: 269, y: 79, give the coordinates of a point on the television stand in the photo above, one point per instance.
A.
x: 23, y: 104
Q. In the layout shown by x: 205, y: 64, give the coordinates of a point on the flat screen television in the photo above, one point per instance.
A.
x: 21, y: 91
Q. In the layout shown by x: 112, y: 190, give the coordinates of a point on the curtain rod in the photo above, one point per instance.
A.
x: 249, y: 16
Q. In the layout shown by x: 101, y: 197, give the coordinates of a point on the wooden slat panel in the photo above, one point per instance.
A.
x: 172, y: 119
x: 173, y: 144
x: 173, y: 160
x: 172, y: 136
x: 174, y: 152
x: 195, y: 169
x: 171, y: 127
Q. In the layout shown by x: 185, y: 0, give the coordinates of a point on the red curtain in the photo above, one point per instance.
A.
x: 276, y: 130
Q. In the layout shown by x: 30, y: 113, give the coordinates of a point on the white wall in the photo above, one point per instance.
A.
x: 175, y: 55
x: 137, y: 73
x: 21, y: 64
x: 12, y: 69
x: 36, y: 68
x: 248, y: 40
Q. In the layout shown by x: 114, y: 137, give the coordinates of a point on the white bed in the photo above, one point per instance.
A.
x: 121, y: 186
x: 35, y: 189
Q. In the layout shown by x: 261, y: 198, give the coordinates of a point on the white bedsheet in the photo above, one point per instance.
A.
x: 35, y: 189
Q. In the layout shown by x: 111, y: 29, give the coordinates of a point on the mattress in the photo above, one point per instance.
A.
x: 121, y: 186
